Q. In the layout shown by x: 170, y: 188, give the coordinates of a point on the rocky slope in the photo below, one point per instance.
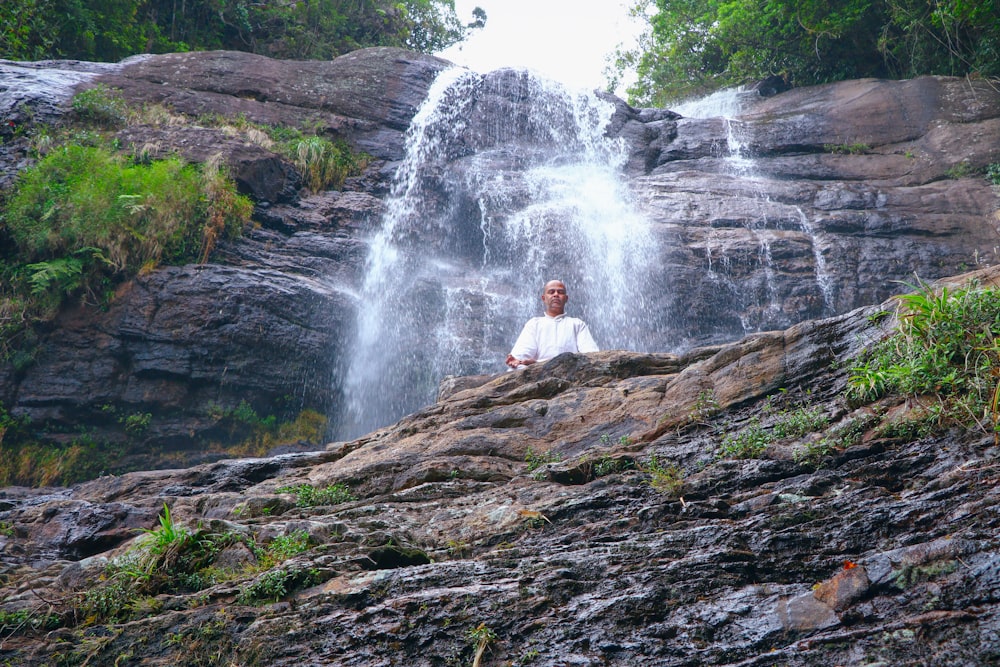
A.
x: 848, y: 192
x: 581, y: 512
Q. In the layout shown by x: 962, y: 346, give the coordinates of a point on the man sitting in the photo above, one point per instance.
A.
x: 552, y: 334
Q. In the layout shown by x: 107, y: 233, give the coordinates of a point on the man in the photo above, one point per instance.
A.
x: 545, y: 337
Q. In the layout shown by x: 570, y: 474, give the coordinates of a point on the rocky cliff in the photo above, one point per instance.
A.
x: 581, y: 512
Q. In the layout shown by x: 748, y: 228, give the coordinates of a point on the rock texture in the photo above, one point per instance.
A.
x: 848, y: 192
x: 886, y: 552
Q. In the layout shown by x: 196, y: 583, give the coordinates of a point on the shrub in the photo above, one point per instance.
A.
x: 666, y: 478
x: 123, y: 215
x: 101, y: 106
x: 945, y: 348
x: 993, y: 173
x: 276, y: 584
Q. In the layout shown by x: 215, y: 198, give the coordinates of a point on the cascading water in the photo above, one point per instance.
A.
x: 771, y: 217
x: 508, y: 181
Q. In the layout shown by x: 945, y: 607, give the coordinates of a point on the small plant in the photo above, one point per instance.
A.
x: 536, y: 460
x: 750, y: 442
x: 961, y: 169
x: 666, y: 478
x: 840, y: 437
x: 101, y: 106
x: 307, y: 495
x: 458, y: 548
x: 993, y: 173
x: 480, y: 637
x: 283, y: 547
x: 705, y: 407
x: 276, y: 584
x: 607, y: 465
x: 167, y: 534
x: 800, y: 421
x: 23, y: 621
x: 847, y: 149
x: 6, y: 529
x: 136, y: 423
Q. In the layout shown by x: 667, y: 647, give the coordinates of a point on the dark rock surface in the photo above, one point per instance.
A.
x: 885, y: 553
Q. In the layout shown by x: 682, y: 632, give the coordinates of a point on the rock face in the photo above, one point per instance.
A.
x: 580, y: 512
x: 847, y: 193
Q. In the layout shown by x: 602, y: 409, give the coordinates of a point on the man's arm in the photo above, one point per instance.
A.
x: 525, y: 350
x: 584, y: 341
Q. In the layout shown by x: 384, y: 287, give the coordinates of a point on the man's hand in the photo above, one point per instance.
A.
x: 514, y: 362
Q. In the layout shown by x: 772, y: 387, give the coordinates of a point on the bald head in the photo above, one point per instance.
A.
x: 554, y: 298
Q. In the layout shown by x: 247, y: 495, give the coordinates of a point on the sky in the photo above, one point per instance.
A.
x: 566, y: 40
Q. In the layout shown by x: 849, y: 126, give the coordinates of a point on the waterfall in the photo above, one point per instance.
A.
x: 760, y: 302
x: 508, y: 181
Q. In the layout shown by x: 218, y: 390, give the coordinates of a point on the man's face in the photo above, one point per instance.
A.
x: 554, y: 297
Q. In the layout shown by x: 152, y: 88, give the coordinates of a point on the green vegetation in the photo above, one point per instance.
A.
x: 696, y: 46
x: 323, y: 163
x: 751, y: 441
x: 172, y: 559
x: 847, y: 149
x: 26, y: 622
x: 306, y: 29
x: 840, y: 437
x: 993, y: 173
x: 536, y: 460
x: 607, y: 465
x: 943, y: 354
x: 962, y: 169
x: 480, y: 637
x: 307, y: 495
x: 276, y: 584
x: 666, y: 478
x: 85, y: 217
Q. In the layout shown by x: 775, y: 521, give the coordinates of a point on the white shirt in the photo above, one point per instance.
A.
x: 545, y: 337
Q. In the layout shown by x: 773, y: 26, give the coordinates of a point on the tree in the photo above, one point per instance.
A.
x: 695, y: 46
x: 299, y: 29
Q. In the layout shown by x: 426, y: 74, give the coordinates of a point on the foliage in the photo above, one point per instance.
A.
x: 305, y: 29
x: 307, y: 495
x: 993, y: 173
x: 26, y: 462
x: 171, y: 559
x: 536, y: 460
x: 84, y: 217
x: 666, y: 478
x: 607, y: 465
x: 961, y: 169
x: 276, y: 584
x: 695, y: 46
x: 840, y: 437
x: 168, y: 534
x: 23, y: 621
x: 847, y: 149
x: 101, y: 106
x: 325, y: 164
x: 480, y: 637
x: 751, y: 441
x: 945, y: 349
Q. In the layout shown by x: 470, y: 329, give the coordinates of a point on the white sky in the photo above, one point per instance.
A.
x: 566, y: 40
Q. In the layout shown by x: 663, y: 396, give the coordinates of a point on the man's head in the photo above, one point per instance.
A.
x: 554, y: 298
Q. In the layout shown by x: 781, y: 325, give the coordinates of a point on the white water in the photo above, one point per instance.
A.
x: 490, y: 202
x: 728, y: 105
